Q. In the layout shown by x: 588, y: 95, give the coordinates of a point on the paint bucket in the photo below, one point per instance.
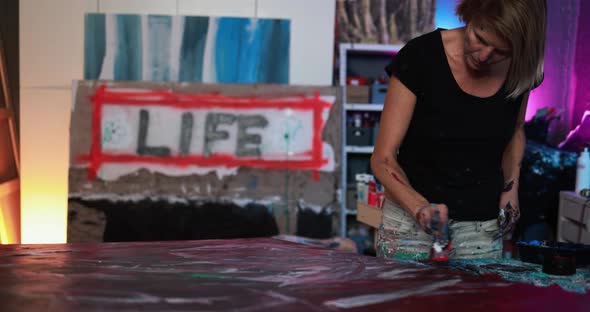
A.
x: 562, y: 262
x: 538, y: 251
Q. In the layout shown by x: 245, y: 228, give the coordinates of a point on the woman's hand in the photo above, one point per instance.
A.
x: 433, y: 218
x: 509, y: 210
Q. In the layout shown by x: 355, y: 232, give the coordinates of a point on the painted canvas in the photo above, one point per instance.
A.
x: 186, y: 49
x: 383, y: 21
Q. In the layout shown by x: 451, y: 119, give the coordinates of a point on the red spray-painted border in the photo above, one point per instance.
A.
x: 103, y: 96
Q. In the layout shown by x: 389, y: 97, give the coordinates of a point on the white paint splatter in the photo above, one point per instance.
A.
x: 136, y: 298
x: 328, y: 153
x: 242, y: 202
x: 113, y: 197
x: 280, y: 296
x: 112, y: 172
x: 133, y: 299
x: 364, y: 300
x: 206, y: 301
x: 303, y: 205
x: 394, y: 274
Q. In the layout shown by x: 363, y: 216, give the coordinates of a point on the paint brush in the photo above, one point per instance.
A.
x: 441, y: 246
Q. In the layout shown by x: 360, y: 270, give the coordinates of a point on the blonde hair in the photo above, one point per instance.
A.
x: 521, y: 23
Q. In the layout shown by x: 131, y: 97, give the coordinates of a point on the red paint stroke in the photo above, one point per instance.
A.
x: 398, y: 179
x: 318, y: 124
x: 215, y: 160
x: 104, y: 96
x: 95, y: 149
x: 188, y: 101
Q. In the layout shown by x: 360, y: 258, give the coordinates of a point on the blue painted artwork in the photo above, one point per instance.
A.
x: 186, y: 49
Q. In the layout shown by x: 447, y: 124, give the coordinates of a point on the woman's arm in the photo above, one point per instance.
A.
x: 511, y: 164
x: 395, y: 119
x: 514, y: 151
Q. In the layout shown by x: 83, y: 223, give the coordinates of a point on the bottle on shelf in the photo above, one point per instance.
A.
x: 583, y: 171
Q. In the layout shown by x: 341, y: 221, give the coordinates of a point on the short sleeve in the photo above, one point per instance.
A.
x: 406, y: 66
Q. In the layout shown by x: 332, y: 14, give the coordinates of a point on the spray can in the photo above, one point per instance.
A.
x: 583, y: 171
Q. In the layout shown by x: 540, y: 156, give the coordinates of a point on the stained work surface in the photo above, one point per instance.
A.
x: 248, y: 275
x: 523, y: 272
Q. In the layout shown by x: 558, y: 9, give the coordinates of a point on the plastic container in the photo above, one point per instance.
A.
x: 362, y: 188
x: 378, y: 92
x: 538, y: 251
x: 583, y: 171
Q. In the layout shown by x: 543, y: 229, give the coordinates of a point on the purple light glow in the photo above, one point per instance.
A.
x: 558, y: 87
x: 582, y: 63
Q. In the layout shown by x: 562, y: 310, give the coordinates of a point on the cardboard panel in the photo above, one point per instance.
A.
x: 283, y: 189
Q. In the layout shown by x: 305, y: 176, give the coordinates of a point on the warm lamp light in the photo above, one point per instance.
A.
x: 45, y: 120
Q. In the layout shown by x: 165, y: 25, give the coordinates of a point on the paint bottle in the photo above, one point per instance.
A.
x: 372, y: 192
x: 361, y: 188
x: 583, y: 171
x: 357, y: 121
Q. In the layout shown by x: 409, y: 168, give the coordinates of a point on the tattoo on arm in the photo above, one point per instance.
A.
x: 508, y: 186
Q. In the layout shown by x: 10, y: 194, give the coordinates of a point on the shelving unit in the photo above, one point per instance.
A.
x: 359, y: 149
x: 346, y: 48
x: 363, y: 107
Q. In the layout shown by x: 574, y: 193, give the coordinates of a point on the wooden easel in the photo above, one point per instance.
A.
x: 9, y: 182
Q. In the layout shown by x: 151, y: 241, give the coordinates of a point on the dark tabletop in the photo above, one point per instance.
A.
x: 251, y: 275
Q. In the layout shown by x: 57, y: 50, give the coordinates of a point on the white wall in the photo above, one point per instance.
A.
x: 51, y: 57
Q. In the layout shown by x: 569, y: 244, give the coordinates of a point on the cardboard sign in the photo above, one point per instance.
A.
x: 178, y: 134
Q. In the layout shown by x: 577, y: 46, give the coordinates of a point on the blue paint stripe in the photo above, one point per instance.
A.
x: 253, y: 37
x: 128, y: 57
x: 249, y: 51
x: 275, y: 53
x: 193, y: 48
x: 94, y: 45
x: 228, y: 44
x: 160, y: 38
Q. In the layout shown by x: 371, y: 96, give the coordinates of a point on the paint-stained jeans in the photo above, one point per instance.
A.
x: 400, y: 237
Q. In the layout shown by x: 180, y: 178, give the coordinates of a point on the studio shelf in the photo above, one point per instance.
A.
x: 372, y: 57
x: 359, y: 149
x: 363, y: 107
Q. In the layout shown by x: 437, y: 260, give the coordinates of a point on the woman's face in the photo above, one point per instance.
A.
x: 484, y: 48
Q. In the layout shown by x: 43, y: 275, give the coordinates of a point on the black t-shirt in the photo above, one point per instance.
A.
x: 452, y: 151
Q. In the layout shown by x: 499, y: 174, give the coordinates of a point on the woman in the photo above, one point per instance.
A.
x: 451, y: 137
